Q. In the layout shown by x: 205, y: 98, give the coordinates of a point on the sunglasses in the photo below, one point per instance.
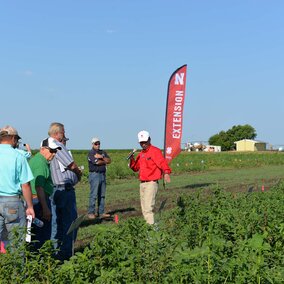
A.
x: 97, y: 143
x: 52, y: 151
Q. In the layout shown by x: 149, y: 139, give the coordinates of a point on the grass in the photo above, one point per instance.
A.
x: 123, y: 194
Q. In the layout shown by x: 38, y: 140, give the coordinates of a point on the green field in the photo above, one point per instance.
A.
x: 220, y: 221
x: 192, y: 171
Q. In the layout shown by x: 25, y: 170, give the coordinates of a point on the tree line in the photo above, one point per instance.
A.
x: 226, y: 139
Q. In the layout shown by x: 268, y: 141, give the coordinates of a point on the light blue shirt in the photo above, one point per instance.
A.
x: 14, y: 171
x: 25, y: 153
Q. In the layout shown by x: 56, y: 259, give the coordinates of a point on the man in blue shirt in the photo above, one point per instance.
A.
x: 15, y: 177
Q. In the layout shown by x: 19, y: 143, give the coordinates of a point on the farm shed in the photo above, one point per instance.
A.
x: 250, y: 145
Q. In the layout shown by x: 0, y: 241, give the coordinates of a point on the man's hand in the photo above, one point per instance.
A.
x: 167, y: 178
x: 46, y: 214
x: 79, y: 173
x: 99, y: 156
x: 30, y: 211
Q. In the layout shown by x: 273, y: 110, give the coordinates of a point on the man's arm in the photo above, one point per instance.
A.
x: 103, y: 160
x: 134, y: 165
x: 27, y: 193
x: 161, y: 162
x: 46, y: 214
x: 74, y: 168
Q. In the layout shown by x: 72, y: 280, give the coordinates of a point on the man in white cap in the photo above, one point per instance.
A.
x: 151, y: 166
x: 98, y: 159
x: 15, y: 177
x: 42, y: 189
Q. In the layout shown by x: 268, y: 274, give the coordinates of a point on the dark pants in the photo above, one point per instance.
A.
x: 97, y: 192
x: 64, y: 212
x: 41, y: 234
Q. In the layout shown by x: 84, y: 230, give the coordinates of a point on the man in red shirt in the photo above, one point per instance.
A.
x: 151, y: 166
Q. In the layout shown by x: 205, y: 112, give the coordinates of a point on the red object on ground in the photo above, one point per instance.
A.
x: 262, y: 188
x: 2, y: 247
x: 116, y: 218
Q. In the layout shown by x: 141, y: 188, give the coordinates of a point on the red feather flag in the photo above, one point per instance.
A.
x: 174, y: 113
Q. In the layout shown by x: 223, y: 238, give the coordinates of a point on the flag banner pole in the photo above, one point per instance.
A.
x: 174, y: 113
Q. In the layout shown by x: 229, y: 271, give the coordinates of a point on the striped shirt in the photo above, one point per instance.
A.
x: 58, y: 166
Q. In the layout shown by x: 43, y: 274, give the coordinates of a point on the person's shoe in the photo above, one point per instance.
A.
x: 105, y: 215
x: 91, y: 216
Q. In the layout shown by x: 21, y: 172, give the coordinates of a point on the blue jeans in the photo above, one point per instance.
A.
x: 12, y: 215
x: 97, y: 192
x: 41, y: 234
x: 64, y: 212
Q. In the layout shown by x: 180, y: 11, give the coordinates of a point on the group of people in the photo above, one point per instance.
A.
x: 46, y: 184
x: 151, y: 165
x: 43, y: 187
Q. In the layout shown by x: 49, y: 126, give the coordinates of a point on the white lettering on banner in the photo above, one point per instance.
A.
x: 177, y: 119
x: 177, y: 114
x: 179, y: 79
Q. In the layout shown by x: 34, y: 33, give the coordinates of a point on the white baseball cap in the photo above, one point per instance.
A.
x: 143, y: 136
x: 95, y: 139
x: 50, y: 143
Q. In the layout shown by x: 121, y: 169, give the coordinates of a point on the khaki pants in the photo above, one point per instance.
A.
x: 148, y: 192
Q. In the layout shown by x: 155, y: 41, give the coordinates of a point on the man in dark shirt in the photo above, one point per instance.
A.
x: 97, y: 159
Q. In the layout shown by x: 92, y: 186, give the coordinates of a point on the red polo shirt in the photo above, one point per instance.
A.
x: 150, y: 163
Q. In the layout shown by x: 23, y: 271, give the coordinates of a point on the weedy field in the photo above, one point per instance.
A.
x: 220, y: 220
x: 232, y: 171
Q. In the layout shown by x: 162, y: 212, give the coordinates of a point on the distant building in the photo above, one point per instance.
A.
x: 250, y: 145
x: 212, y: 148
x: 199, y: 146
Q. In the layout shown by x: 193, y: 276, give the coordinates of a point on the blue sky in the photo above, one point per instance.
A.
x: 102, y: 68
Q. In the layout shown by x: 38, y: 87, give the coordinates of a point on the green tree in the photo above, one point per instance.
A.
x: 226, y: 139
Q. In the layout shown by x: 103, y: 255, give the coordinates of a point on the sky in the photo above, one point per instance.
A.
x: 102, y: 68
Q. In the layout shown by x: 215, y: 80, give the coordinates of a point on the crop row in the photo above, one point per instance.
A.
x: 212, y: 237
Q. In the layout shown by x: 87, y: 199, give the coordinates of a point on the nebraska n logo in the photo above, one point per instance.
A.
x: 179, y: 79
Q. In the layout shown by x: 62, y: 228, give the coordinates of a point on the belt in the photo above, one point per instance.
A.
x: 142, y: 181
x: 12, y: 196
x: 59, y: 186
x: 63, y: 185
x: 66, y: 186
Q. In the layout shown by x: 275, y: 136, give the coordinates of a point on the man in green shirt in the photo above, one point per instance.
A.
x: 42, y: 189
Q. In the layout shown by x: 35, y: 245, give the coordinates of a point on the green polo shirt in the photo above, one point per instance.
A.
x: 41, y: 171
